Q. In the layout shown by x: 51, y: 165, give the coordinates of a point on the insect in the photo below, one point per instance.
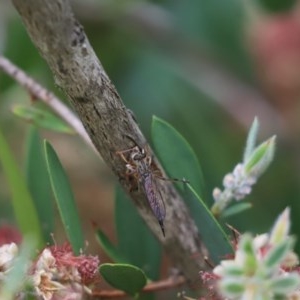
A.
x: 139, y: 164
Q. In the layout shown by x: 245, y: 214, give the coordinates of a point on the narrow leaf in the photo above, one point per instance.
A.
x: 41, y: 118
x: 127, y: 278
x: 39, y: 183
x: 249, y: 259
x: 285, y: 284
x: 212, y: 234
x: 251, y: 139
x: 236, y: 209
x: 278, y: 252
x: 64, y: 199
x: 109, y: 248
x: 176, y: 155
x: 24, y: 209
x: 281, y: 228
x: 232, y: 288
x: 135, y: 240
x: 261, y: 157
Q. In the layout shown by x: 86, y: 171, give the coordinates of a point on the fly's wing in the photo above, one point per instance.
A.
x: 155, y: 199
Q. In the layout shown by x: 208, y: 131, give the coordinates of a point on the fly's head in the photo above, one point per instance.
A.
x: 137, y: 154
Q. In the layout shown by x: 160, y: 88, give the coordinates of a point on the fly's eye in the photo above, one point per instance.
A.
x: 134, y: 156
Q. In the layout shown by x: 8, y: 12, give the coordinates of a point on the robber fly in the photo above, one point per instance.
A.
x: 139, y: 164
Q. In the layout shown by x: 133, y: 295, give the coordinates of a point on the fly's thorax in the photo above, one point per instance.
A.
x: 144, y: 174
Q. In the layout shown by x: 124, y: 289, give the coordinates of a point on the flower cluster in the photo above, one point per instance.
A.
x: 56, y: 273
x: 238, y: 184
x: 8, y: 252
x: 264, y: 267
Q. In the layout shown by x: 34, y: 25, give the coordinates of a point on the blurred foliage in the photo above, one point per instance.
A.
x: 148, y: 49
x: 276, y: 6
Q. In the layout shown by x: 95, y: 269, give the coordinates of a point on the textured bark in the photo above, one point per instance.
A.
x: 77, y: 71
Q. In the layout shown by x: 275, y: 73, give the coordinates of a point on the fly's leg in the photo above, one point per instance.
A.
x: 122, y: 152
x: 157, y: 173
x: 131, y: 170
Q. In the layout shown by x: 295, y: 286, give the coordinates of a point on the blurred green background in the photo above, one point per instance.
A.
x: 206, y: 66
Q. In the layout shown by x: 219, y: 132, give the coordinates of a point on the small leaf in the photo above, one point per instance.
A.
x: 278, y: 252
x: 236, y: 209
x: 24, y: 209
x: 281, y: 227
x: 251, y: 139
x: 39, y: 183
x: 176, y: 155
x: 127, y: 278
x: 232, y: 287
x: 41, y: 118
x: 109, y: 248
x: 285, y: 284
x: 64, y: 199
x: 213, y: 236
x: 261, y: 157
x: 247, y: 255
x: 234, y: 270
x: 143, y: 250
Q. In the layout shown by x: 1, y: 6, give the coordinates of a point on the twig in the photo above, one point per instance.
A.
x: 151, y: 287
x: 62, y: 42
x: 39, y: 92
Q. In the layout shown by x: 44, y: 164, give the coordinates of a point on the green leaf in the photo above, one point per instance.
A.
x: 41, y: 118
x: 24, y: 209
x: 109, y: 248
x: 135, y: 241
x: 39, y: 183
x: 251, y: 139
x: 234, y: 270
x: 281, y: 228
x: 176, y: 155
x: 285, y: 284
x: 231, y: 287
x: 261, y: 157
x: 256, y: 156
x: 127, y: 278
x: 212, y: 234
x: 64, y: 199
x: 278, y: 252
x: 236, y: 209
x: 246, y: 247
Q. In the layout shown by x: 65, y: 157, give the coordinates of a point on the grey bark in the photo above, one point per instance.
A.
x: 62, y: 42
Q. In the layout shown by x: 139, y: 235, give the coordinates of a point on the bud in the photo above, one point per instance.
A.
x: 281, y: 227
x: 238, y: 184
x: 260, y: 158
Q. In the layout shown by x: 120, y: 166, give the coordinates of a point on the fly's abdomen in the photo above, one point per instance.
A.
x: 155, y: 199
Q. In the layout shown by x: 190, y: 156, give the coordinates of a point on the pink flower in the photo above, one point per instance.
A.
x: 59, y: 274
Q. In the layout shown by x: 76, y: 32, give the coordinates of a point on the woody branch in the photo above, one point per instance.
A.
x: 62, y: 42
